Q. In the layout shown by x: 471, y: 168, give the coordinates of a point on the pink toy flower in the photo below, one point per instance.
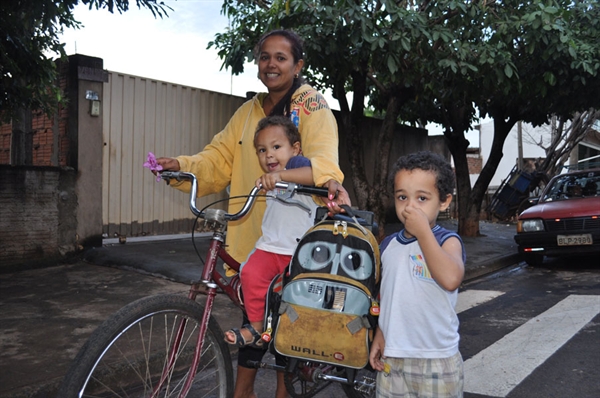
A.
x: 153, y: 165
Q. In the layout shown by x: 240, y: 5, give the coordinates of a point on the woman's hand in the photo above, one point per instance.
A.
x: 337, y: 196
x: 170, y: 164
x: 165, y: 164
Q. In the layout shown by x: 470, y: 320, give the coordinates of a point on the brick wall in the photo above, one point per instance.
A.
x: 5, y: 133
x: 475, y: 164
x: 50, y: 144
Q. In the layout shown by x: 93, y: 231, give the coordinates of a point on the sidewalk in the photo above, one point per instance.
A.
x: 47, y: 314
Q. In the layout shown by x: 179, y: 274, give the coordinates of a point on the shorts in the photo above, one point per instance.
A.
x: 256, y: 275
x: 422, y: 377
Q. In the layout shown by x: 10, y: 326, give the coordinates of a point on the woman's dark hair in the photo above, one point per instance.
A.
x: 290, y: 129
x: 427, y: 161
x: 283, y: 106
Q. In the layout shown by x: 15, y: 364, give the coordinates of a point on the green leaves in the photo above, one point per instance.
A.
x: 550, y: 78
x: 28, y: 32
x: 490, y: 54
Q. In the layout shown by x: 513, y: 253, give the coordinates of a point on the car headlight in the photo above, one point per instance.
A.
x: 534, y: 225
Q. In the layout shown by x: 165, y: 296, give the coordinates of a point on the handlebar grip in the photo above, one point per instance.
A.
x: 167, y: 174
x: 317, y: 191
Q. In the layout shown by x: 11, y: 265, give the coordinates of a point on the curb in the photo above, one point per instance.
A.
x: 492, y: 265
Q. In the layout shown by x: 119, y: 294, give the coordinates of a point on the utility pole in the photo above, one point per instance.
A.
x: 520, y: 143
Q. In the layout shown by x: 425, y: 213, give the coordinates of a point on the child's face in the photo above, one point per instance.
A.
x: 417, y: 189
x: 274, y: 149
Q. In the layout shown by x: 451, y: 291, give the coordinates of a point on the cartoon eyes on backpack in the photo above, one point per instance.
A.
x: 354, y: 263
x: 316, y: 255
x: 321, y: 254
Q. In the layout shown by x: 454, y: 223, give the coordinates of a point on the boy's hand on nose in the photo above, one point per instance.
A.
x: 415, y: 221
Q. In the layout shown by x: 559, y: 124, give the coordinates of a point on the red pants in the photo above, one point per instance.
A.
x: 256, y: 276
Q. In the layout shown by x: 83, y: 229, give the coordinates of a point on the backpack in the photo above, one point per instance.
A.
x: 326, y: 304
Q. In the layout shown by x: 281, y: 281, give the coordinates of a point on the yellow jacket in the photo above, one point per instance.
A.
x: 230, y: 159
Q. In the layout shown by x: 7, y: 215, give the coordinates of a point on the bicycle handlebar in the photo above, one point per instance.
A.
x: 289, y: 187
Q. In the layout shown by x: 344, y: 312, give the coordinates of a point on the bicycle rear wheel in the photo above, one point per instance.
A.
x: 303, y: 381
x: 129, y: 353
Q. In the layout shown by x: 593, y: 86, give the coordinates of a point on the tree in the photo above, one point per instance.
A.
x: 29, y: 30
x: 553, y: 69
x: 434, y: 61
x: 372, y: 49
x: 560, y: 138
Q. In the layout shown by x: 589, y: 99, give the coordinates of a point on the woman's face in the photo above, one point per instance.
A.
x: 276, y: 66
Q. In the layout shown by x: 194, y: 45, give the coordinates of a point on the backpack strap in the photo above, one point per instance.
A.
x: 355, y: 325
x: 285, y: 308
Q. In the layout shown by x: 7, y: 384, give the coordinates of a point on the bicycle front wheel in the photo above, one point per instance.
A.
x: 146, y: 349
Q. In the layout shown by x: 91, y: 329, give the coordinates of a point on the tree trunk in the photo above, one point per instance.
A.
x: 457, y: 119
x: 473, y: 211
x: 468, y: 222
x: 369, y: 195
x: 354, y: 140
x: 377, y: 194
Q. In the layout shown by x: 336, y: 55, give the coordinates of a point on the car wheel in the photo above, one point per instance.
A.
x: 534, y: 260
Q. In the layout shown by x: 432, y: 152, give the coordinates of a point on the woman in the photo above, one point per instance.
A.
x: 230, y: 159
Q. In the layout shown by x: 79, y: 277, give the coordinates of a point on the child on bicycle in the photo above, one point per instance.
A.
x: 277, y: 143
x: 415, y: 349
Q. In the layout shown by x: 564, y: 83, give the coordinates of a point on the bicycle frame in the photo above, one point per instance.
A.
x: 211, y: 279
x: 172, y: 345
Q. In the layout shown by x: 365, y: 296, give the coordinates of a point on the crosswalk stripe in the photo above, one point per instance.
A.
x: 499, y: 368
x: 471, y: 298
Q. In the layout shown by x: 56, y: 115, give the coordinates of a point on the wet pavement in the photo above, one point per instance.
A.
x: 48, y: 313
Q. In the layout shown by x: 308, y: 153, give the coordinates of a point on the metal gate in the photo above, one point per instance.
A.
x: 142, y: 115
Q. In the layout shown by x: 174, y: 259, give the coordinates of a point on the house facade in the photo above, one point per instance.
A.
x: 585, y: 155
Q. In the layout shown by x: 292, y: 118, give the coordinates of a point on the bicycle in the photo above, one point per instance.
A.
x: 171, y: 346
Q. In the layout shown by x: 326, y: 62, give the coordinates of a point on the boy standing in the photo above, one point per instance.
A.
x: 415, y: 349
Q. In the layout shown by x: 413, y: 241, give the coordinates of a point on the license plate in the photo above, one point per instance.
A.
x: 574, y: 240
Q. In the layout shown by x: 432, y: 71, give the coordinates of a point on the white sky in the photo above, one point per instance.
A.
x: 172, y: 49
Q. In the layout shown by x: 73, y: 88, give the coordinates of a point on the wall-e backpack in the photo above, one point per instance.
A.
x: 328, y: 308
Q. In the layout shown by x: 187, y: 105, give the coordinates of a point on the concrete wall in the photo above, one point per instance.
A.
x: 52, y: 205
x: 38, y: 207
x: 86, y: 75
x: 510, y: 149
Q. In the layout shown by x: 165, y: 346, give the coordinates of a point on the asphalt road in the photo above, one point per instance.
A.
x: 538, y: 333
x: 525, y: 333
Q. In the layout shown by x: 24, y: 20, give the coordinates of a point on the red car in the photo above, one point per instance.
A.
x: 565, y: 219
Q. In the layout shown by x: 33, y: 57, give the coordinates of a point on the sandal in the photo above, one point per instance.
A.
x: 240, y: 341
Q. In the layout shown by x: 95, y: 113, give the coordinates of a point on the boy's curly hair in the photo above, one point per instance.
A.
x: 427, y: 161
x: 290, y: 129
